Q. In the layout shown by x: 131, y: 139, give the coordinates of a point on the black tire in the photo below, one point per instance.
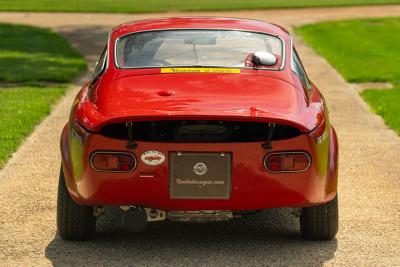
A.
x: 320, y: 222
x: 74, y: 222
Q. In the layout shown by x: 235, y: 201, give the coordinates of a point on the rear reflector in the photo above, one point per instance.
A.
x: 287, y: 162
x: 113, y: 161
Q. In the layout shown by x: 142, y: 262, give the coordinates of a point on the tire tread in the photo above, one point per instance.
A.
x: 320, y: 222
x: 74, y: 221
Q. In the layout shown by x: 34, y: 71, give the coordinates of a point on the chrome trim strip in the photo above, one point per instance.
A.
x: 108, y: 47
x: 204, y: 29
x: 291, y: 53
x: 308, y: 87
x: 105, y: 64
x: 112, y: 152
x: 287, y: 152
x: 283, y: 52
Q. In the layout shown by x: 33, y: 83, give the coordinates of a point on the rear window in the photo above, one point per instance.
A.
x: 213, y: 48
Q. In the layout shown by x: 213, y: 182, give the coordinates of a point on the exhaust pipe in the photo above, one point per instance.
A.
x: 133, y: 219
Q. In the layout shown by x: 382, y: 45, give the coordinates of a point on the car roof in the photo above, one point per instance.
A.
x: 200, y: 23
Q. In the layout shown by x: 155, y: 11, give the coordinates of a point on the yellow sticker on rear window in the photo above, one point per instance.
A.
x: 202, y: 70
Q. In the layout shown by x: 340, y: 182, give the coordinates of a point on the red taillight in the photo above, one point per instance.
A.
x: 287, y: 162
x: 113, y: 162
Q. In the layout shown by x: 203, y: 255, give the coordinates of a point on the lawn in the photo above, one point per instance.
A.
x: 364, y: 50
x: 136, y: 6
x: 386, y: 104
x: 30, y: 56
x: 21, y: 109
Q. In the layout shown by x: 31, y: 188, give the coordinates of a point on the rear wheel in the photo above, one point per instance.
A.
x: 320, y: 222
x: 74, y: 221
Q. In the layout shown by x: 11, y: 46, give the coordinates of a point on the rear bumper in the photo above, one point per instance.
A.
x: 252, y: 186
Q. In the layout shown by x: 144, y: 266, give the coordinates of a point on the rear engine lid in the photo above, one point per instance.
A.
x: 205, y: 94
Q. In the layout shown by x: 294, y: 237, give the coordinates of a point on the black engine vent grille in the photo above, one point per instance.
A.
x: 199, y: 131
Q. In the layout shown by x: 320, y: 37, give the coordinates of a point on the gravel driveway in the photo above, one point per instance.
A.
x: 369, y: 186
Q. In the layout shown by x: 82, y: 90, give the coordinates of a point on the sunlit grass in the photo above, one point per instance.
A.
x: 361, y: 50
x: 136, y: 6
x: 21, y: 109
x: 386, y: 104
x: 364, y: 50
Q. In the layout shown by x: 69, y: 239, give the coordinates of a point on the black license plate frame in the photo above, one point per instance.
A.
x: 200, y: 175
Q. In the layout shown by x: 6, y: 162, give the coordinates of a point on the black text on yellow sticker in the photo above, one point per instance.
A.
x: 199, y: 70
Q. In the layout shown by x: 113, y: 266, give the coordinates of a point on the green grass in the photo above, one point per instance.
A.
x: 364, y: 50
x: 386, y: 104
x: 29, y: 54
x: 136, y: 6
x: 21, y: 109
x: 361, y: 50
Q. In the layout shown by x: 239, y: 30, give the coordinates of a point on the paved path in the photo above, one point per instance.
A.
x: 369, y: 179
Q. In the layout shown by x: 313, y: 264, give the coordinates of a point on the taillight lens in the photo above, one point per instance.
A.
x: 287, y: 162
x: 113, y: 161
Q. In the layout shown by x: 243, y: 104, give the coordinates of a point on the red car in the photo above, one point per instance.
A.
x: 198, y: 119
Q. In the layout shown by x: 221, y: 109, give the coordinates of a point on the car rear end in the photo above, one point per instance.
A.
x: 190, y: 165
x: 195, y: 121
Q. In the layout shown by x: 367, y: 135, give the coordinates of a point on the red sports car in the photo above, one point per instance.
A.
x: 198, y: 119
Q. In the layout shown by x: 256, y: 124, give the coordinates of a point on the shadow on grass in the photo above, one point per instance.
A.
x: 56, y: 70
x: 30, y: 54
x: 269, y: 238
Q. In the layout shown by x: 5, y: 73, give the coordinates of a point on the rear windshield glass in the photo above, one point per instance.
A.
x: 173, y: 48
